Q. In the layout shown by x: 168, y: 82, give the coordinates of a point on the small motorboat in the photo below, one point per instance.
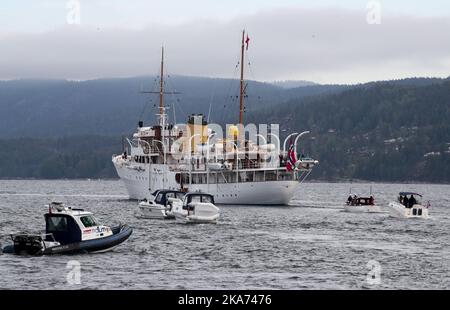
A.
x: 357, y: 204
x: 306, y: 163
x: 195, y: 207
x: 410, y: 207
x: 157, y: 205
x: 68, y: 231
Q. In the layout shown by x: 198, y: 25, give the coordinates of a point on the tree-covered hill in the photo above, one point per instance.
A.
x: 380, y: 131
x: 55, y: 108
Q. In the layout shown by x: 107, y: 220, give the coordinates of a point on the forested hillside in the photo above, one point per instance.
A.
x: 380, y: 131
x: 34, y: 108
x: 383, y: 131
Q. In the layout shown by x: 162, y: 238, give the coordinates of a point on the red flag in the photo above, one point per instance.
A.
x: 291, y: 158
x: 247, y: 41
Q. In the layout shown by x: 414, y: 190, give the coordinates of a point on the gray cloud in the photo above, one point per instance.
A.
x: 328, y: 45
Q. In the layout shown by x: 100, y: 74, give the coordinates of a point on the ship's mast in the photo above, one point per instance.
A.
x: 242, y: 88
x: 162, y: 113
x: 161, y: 85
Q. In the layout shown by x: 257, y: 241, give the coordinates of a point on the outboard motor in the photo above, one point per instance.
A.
x: 28, y: 244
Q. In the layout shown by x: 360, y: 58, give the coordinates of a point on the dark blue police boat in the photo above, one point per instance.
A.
x: 69, y: 231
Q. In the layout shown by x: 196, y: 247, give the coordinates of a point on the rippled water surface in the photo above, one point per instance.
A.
x: 311, y: 244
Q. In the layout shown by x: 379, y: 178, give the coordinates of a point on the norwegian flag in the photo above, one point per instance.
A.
x: 291, y: 158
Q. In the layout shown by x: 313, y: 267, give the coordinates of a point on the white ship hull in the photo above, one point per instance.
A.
x: 138, y: 185
x: 224, y: 163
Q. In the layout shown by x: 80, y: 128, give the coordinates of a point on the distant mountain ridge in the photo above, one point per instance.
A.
x: 56, y: 108
x: 287, y: 84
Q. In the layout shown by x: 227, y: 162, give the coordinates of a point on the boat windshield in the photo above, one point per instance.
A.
x: 201, y: 198
x: 57, y: 223
x: 178, y: 195
x: 89, y: 221
x: 159, y: 198
x: 163, y: 197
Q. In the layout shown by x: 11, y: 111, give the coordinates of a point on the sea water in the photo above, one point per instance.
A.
x: 311, y: 244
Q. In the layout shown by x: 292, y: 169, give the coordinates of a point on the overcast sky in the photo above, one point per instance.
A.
x: 323, y: 41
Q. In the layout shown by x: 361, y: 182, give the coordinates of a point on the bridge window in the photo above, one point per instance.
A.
x: 89, y: 221
x: 57, y: 223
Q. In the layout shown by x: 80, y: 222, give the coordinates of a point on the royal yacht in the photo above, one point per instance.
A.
x: 189, y: 157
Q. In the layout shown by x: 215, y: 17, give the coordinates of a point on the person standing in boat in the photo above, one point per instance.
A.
x: 412, y: 201
x: 371, y: 201
x: 406, y: 201
x: 349, y: 199
x: 354, y: 200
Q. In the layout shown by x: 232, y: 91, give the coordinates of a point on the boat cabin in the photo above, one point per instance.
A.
x: 192, y: 198
x: 360, y: 201
x: 162, y: 196
x: 66, y: 225
x: 409, y: 199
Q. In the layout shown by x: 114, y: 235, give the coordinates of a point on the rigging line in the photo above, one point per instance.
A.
x: 228, y: 94
x: 211, y: 99
x: 174, y: 115
x: 145, y: 101
x: 233, y: 78
x: 232, y: 81
x: 229, y: 107
x: 175, y: 101
x: 169, y: 82
x: 154, y: 86
x: 252, y: 75
x: 250, y: 67
x: 174, y: 98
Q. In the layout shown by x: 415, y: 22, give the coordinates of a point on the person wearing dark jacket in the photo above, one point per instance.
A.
x: 406, y: 201
x: 349, y: 199
x: 412, y: 201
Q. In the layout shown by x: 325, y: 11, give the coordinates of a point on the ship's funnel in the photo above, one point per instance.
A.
x: 233, y: 131
x: 198, y: 127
